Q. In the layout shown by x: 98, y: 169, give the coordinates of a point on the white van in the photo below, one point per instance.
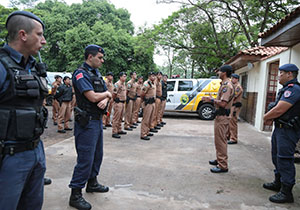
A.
x: 184, y: 95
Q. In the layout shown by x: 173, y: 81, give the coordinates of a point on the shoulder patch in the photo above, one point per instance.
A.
x: 128, y: 85
x: 79, y: 76
x: 237, y: 89
x: 146, y: 85
x: 287, y: 93
x: 224, y: 90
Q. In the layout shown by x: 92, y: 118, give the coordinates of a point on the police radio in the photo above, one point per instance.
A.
x: 41, y: 67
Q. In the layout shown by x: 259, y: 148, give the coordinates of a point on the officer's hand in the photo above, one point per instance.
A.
x: 102, y: 104
x: 268, y: 122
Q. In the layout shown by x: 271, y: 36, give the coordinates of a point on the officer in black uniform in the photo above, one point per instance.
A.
x: 285, y: 113
x: 92, y: 99
x: 23, y: 88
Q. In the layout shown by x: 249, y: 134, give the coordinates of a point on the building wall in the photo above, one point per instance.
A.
x: 254, y: 103
x: 295, y: 56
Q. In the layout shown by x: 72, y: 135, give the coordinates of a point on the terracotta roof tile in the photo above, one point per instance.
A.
x: 281, y: 23
x: 264, y: 52
x: 260, y: 52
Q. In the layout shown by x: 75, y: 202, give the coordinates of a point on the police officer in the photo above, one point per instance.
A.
x: 235, y: 110
x: 23, y: 88
x: 286, y: 134
x: 222, y: 103
x: 92, y: 98
x: 119, y: 96
x: 55, y: 103
x: 148, y: 94
x: 65, y: 93
x: 138, y: 101
x: 164, y: 96
x: 157, y: 108
x: 131, y: 97
x: 110, y: 88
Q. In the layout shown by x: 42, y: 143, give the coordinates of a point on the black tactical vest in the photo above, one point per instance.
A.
x: 164, y: 90
x: 21, y: 114
x: 294, y: 110
x: 82, y: 102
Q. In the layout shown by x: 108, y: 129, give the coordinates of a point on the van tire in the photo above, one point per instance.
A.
x: 49, y: 100
x: 205, y: 112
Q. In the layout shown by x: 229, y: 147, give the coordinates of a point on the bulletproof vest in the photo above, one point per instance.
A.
x: 67, y: 93
x: 82, y: 102
x: 294, y: 110
x: 22, y: 116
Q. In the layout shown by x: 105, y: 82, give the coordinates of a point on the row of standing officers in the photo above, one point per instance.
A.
x: 128, y: 99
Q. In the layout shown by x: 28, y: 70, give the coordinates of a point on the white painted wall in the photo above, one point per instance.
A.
x: 258, y: 79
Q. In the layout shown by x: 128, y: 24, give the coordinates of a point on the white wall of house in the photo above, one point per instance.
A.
x: 258, y: 81
x: 295, y: 56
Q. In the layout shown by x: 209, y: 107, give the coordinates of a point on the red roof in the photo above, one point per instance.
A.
x: 253, y: 55
x: 281, y: 23
x: 264, y: 52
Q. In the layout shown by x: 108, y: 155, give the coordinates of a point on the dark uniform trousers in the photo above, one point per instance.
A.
x: 221, y: 126
x: 89, y: 148
x: 29, y: 169
x: 284, y: 142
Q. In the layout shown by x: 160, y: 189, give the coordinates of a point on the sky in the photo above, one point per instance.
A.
x: 142, y: 12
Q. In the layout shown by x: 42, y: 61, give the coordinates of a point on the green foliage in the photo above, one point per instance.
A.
x: 206, y: 33
x: 69, y: 29
x: 4, y: 12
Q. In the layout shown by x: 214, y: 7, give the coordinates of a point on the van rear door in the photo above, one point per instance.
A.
x: 171, y: 88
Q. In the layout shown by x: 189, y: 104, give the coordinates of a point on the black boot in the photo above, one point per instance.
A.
x: 284, y: 196
x: 47, y: 181
x: 94, y: 186
x: 275, y: 185
x: 77, y: 201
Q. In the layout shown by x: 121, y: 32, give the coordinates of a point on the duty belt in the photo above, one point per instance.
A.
x: 117, y: 100
x: 95, y: 117
x: 282, y: 125
x: 11, y: 148
x: 222, y: 112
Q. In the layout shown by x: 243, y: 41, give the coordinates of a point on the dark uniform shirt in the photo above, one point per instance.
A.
x: 19, y: 59
x: 82, y: 79
x: 291, y: 93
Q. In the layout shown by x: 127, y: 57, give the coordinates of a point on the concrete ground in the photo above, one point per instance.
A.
x: 171, y: 171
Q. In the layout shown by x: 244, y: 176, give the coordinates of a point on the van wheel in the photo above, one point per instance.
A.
x: 205, y: 112
x: 49, y: 100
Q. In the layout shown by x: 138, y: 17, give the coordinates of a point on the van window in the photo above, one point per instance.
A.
x: 185, y: 85
x: 170, y: 85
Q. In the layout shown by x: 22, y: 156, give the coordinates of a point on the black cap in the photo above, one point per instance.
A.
x: 288, y: 67
x: 122, y: 73
x: 159, y: 73
x: 140, y: 77
x: 93, y: 47
x: 226, y: 68
x: 235, y: 76
x: 27, y: 14
x: 57, y: 76
x: 151, y: 73
x: 109, y: 74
